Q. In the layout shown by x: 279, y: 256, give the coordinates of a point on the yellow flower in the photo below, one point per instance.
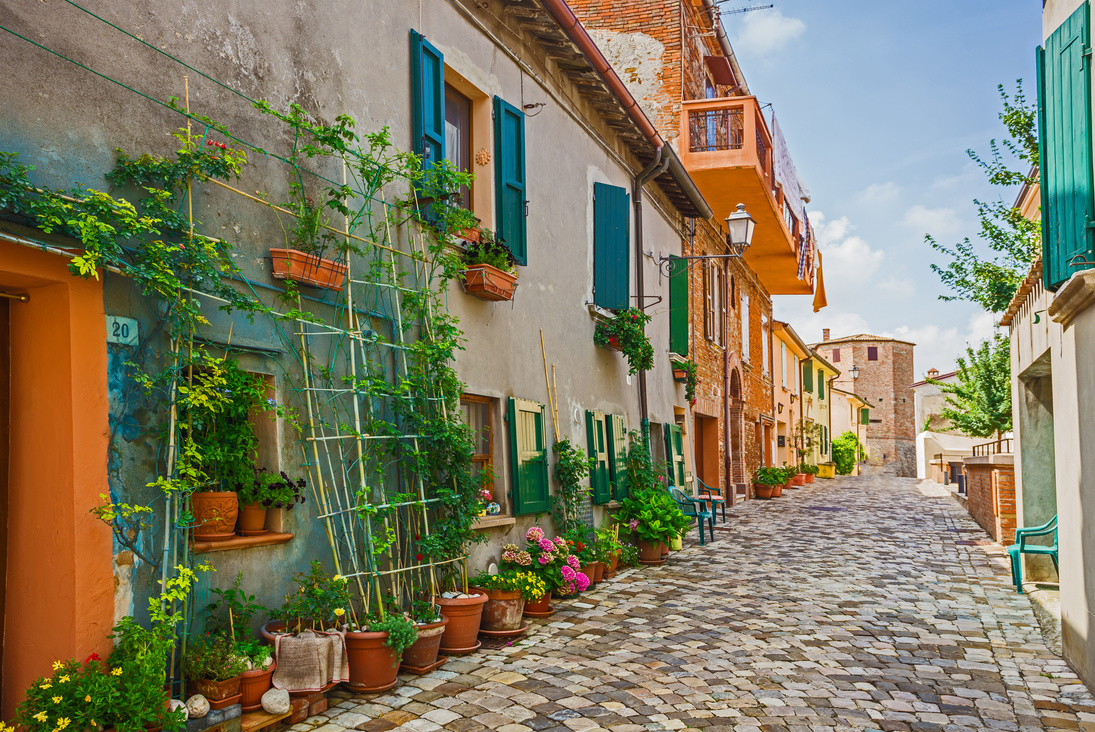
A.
x: 339, y: 612
x: 87, y: 698
x: 64, y: 679
x: 57, y: 665
x: 56, y: 700
x: 41, y: 717
x: 47, y: 685
x: 62, y: 722
x: 116, y: 671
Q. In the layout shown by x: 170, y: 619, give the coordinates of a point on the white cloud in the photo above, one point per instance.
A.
x: 877, y: 193
x: 766, y: 32
x: 847, y: 259
x: 938, y: 222
x: 894, y: 287
x: 940, y: 347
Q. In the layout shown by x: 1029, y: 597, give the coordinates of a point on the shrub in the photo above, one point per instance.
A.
x: 846, y: 450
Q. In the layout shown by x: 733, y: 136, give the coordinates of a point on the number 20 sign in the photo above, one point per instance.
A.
x: 122, y: 330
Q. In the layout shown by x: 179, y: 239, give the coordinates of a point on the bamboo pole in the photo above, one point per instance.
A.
x: 547, y: 383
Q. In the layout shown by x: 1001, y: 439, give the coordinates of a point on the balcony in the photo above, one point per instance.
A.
x: 726, y: 147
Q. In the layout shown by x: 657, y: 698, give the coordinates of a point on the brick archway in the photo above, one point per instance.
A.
x: 736, y: 440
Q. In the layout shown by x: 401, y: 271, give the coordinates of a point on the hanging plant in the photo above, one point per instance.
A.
x: 626, y: 332
x: 686, y: 372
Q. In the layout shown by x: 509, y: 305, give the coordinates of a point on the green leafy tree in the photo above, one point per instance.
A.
x: 979, y: 403
x: 846, y: 450
x: 990, y: 279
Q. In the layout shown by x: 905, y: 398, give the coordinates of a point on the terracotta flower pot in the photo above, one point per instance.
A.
x: 252, y: 520
x: 373, y: 665
x: 489, y: 283
x: 589, y: 571
x: 598, y: 571
x: 271, y: 630
x: 503, y: 610
x: 680, y: 375
x: 464, y: 616
x: 763, y: 491
x: 423, y: 652
x: 310, y: 269
x: 540, y: 607
x: 777, y: 490
x: 649, y: 551
x: 216, y: 691
x: 665, y: 549
x: 613, y: 562
x: 470, y: 235
x: 615, y: 344
x: 253, y: 684
x: 810, y: 477
x: 799, y: 479
x: 214, y: 515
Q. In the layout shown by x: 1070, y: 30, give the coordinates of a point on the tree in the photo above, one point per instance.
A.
x: 979, y: 404
x: 1013, y: 240
x: 846, y: 450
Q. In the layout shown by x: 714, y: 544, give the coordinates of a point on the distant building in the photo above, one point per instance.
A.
x: 940, y: 449
x: 881, y: 370
x: 849, y: 413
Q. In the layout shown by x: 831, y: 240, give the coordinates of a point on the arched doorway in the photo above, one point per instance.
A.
x: 736, y: 476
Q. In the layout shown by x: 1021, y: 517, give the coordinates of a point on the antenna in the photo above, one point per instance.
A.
x: 743, y: 10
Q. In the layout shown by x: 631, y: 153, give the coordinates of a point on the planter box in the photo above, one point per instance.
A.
x: 291, y: 264
x: 489, y: 283
x: 680, y: 375
x: 470, y: 235
x: 826, y: 470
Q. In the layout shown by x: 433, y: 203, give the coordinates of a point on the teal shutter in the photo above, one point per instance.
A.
x: 428, y: 97
x: 820, y: 384
x: 1064, y: 108
x: 596, y: 440
x: 617, y: 456
x: 674, y: 453
x: 678, y: 305
x: 808, y: 376
x: 611, y: 237
x: 509, y: 174
x: 528, y: 456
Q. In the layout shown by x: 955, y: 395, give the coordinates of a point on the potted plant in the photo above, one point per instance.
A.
x: 489, y: 268
x: 798, y: 475
x: 255, y: 679
x: 625, y: 332
x: 581, y: 545
x: 767, y: 480
x: 507, y: 592
x: 310, y: 239
x: 608, y: 547
x: 267, y: 490
x: 319, y: 603
x: 810, y: 471
x: 687, y: 373
x: 429, y: 624
x: 212, y: 665
x: 551, y: 561
x: 654, y: 519
x: 374, y: 647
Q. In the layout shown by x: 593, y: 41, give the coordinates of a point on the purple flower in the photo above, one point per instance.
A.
x: 546, y: 545
x: 582, y: 582
x: 534, y: 534
x: 568, y: 573
x: 633, y: 524
x: 573, y: 562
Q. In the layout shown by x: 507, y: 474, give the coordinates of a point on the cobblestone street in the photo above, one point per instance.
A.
x: 859, y: 603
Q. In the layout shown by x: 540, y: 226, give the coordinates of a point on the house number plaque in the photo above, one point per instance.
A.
x: 122, y: 330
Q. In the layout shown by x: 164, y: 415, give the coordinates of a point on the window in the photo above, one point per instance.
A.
x: 745, y: 345
x: 477, y: 414
x: 714, y: 314
x: 428, y: 96
x: 783, y: 361
x: 509, y: 178
x: 836, y: 355
x: 458, y: 138
x: 678, y: 306
x: 764, y: 345
x: 611, y: 239
x: 674, y: 455
x: 617, y: 456
x: 597, y: 449
x: 528, y: 456
x: 794, y: 375
x: 872, y: 353
x: 820, y: 384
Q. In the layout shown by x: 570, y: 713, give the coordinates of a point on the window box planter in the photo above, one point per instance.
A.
x: 310, y: 269
x: 679, y: 374
x: 470, y: 235
x: 489, y: 283
x: 614, y: 344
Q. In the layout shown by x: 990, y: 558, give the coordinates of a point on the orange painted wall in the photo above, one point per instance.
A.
x: 60, y: 583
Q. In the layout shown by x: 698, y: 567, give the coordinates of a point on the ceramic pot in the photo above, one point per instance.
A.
x: 589, y: 571
x: 272, y: 630
x: 503, y: 610
x: 423, y: 652
x: 541, y: 607
x: 762, y: 491
x: 799, y: 479
x: 214, y: 515
x: 598, y: 571
x: 613, y: 562
x: 665, y: 549
x: 310, y: 269
x: 464, y: 616
x: 252, y: 519
x: 777, y: 490
x: 676, y: 543
x: 680, y: 375
x: 489, y: 283
x: 373, y: 665
x: 649, y: 551
x: 615, y: 344
x: 253, y: 684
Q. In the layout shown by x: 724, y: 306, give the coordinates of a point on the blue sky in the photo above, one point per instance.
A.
x: 879, y: 101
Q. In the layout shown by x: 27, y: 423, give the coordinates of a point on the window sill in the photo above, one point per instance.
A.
x: 599, y: 314
x: 493, y: 522
x: 240, y: 542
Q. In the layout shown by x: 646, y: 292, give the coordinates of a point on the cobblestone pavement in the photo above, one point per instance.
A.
x: 861, y: 603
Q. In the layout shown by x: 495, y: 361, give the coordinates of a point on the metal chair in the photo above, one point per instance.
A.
x: 695, y: 508
x: 1020, y: 547
x: 712, y: 495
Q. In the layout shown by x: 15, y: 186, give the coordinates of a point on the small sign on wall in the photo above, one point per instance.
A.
x: 123, y: 331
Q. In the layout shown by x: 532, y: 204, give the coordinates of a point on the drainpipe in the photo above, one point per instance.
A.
x: 772, y: 381
x: 830, y: 393
x: 656, y: 167
x: 728, y: 459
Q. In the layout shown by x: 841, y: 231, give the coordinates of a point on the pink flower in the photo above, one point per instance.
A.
x: 509, y: 556
x: 633, y: 524
x: 568, y: 573
x: 524, y: 559
x: 544, y: 558
x: 567, y: 588
x: 581, y: 581
x: 534, y: 534
x: 573, y: 562
x: 560, y: 541
x: 546, y: 545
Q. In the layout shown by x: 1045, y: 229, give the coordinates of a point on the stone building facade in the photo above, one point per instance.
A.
x: 883, y: 375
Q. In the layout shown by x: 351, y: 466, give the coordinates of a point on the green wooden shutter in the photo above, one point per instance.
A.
x: 678, y: 305
x: 1066, y: 167
x: 808, y: 376
x: 820, y: 384
x: 611, y: 247
x: 428, y: 97
x: 617, y: 456
x: 528, y: 456
x: 596, y: 440
x: 864, y: 416
x: 509, y: 174
x: 674, y: 453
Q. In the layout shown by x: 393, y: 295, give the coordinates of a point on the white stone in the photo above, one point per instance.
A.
x: 176, y: 705
x: 197, y: 706
x: 275, y: 701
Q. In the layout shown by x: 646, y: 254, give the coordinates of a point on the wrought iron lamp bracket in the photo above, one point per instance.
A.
x: 665, y: 264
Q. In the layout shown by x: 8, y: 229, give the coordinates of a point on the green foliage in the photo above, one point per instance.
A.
x: 272, y: 490
x: 400, y: 629
x: 255, y: 651
x: 319, y: 603
x: 230, y: 614
x: 691, y: 378
x: 490, y: 250
x: 212, y: 657
x: 424, y: 613
x: 607, y: 542
x: 629, y: 555
x: 75, y: 697
x: 1013, y: 240
x: 629, y: 327
x: 653, y: 515
x: 642, y: 475
x: 527, y: 583
x: 808, y: 469
x: 979, y: 403
x: 846, y: 451
x: 571, y: 468
x: 770, y: 476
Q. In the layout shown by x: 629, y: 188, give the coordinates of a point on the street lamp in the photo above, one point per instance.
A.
x: 854, y: 371
x: 739, y: 230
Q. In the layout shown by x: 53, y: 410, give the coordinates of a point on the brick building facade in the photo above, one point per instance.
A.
x: 990, y: 493
x: 884, y: 379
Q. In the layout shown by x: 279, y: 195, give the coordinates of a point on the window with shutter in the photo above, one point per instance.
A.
x: 745, y: 345
x: 611, y: 237
x: 808, y: 376
x: 596, y: 444
x: 708, y: 304
x: 678, y: 305
x: 836, y: 355
x: 509, y: 173
x: 872, y: 353
x: 783, y: 362
x: 428, y: 99
x: 674, y: 455
x: 864, y: 416
x: 528, y: 456
x: 617, y: 456
x: 723, y: 324
x: 820, y: 384
x: 1064, y: 111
